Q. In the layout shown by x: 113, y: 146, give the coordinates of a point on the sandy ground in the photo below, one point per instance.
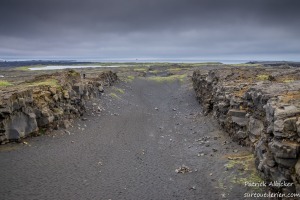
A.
x: 131, y: 150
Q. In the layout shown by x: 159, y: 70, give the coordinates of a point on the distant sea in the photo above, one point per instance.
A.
x: 50, y: 67
x: 136, y: 60
x: 116, y: 61
x: 163, y: 61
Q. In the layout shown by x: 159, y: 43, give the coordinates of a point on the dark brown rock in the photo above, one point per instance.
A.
x: 261, y: 112
x: 25, y: 109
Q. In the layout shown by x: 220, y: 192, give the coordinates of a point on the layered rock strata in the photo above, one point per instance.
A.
x: 47, y: 101
x: 259, y: 108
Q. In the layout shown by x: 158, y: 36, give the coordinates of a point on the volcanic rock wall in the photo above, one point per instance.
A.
x: 48, y: 101
x: 258, y: 108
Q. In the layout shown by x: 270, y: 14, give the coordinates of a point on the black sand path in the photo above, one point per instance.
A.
x: 130, y: 151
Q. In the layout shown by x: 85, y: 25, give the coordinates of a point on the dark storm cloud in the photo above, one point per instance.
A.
x: 156, y: 28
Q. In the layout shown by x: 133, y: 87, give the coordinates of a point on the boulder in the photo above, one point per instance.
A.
x: 65, y: 124
x: 101, y: 89
x: 287, y: 163
x: 284, y: 149
x: 237, y: 113
x: 255, y: 129
x: 53, y: 90
x: 289, y: 125
x: 241, y: 135
x: 66, y: 94
x: 286, y: 111
x: 78, y: 88
x: 285, y: 127
x: 20, y: 125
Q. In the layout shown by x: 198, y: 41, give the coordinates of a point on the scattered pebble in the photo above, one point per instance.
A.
x: 193, y: 188
x: 183, y: 169
x: 201, y: 154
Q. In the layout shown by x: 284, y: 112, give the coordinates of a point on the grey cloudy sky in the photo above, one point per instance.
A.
x: 174, y: 29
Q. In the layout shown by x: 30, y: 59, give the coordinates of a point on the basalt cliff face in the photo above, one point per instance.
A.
x: 47, y: 102
x: 259, y: 108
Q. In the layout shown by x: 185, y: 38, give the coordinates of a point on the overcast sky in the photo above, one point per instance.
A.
x: 159, y: 29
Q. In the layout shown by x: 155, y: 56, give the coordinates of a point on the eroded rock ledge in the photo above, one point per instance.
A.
x: 259, y: 108
x: 47, y: 101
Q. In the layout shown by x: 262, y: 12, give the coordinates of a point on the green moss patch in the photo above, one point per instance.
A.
x: 140, y: 69
x: 127, y: 79
x: 114, y: 95
x: 5, y: 83
x: 288, y: 80
x: 172, y: 78
x: 47, y: 82
x: 119, y: 90
x: 244, y: 168
x: 73, y: 73
x: 262, y: 77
